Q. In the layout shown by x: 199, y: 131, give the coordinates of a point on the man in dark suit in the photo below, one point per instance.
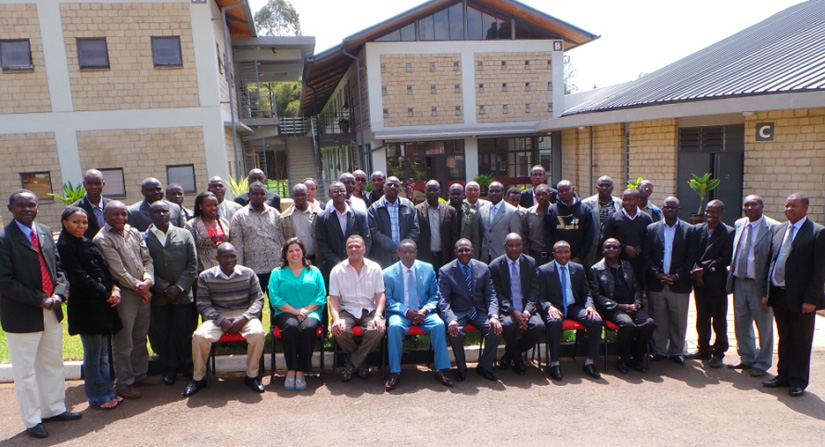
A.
x: 152, y: 191
x: 538, y: 176
x: 797, y: 284
x: 715, y: 240
x: 468, y: 297
x: 438, y: 225
x: 671, y: 251
x: 175, y: 259
x: 514, y: 279
x: 334, y: 225
x: 391, y: 219
x: 469, y: 226
x: 93, y: 203
x: 272, y: 199
x: 32, y: 291
x: 565, y: 294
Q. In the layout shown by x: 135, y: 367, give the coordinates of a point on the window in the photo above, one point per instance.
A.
x: 503, y: 86
x: 183, y: 175
x: 458, y: 88
x: 550, y: 107
x: 383, y: 90
x: 480, y: 65
x: 16, y: 55
x: 526, y: 86
x: 115, y: 186
x: 481, y: 110
x: 383, y: 67
x: 458, y: 110
x: 386, y: 113
x: 92, y: 52
x: 549, y: 86
x: 410, y: 112
x: 433, y: 89
x: 527, y: 64
x: 456, y: 66
x: 435, y: 111
x: 166, y: 52
x: 409, y: 67
x: 220, y: 63
x: 409, y: 89
x: 505, y: 109
x: 481, y: 88
x: 503, y: 65
x: 40, y: 183
x: 432, y: 66
x: 527, y: 108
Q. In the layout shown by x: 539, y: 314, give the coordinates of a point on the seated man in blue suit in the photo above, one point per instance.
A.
x: 412, y: 297
x: 468, y: 296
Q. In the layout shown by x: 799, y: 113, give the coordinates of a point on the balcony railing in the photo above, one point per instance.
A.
x: 294, y: 126
x: 336, y: 124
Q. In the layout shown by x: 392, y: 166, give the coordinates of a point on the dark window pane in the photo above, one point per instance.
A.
x: 408, y: 33
x: 183, y: 175
x: 166, y: 51
x: 475, y: 29
x: 92, y: 53
x: 15, y: 54
x: 40, y: 183
x: 425, y: 28
x: 442, y: 25
x: 456, y: 22
x: 394, y: 36
x: 522, y: 31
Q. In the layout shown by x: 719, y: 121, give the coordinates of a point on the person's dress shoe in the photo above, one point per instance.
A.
x: 739, y: 365
x: 254, y: 384
x: 796, y: 391
x: 505, y: 361
x: 38, y: 431
x: 716, y: 362
x: 194, y: 386
x: 590, y: 370
x: 392, y: 381
x: 129, y: 392
x: 555, y: 372
x: 656, y: 357
x: 486, y: 374
x: 678, y: 359
x: 698, y: 355
x: 638, y: 366
x: 621, y: 365
x: 757, y: 372
x: 776, y: 382
x: 520, y: 369
x: 363, y: 371
x: 442, y: 378
x: 460, y: 375
x: 64, y: 416
x: 169, y: 378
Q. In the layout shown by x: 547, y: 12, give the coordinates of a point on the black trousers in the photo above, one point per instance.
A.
x: 574, y: 312
x: 796, y: 334
x: 515, y: 346
x: 634, y: 332
x: 170, y: 330
x: 712, y: 312
x: 299, y: 340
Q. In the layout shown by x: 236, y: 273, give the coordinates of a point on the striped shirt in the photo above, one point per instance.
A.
x: 218, y: 293
x: 356, y: 292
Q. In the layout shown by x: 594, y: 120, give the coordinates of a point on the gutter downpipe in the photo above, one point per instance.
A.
x: 230, y: 76
x: 591, y: 160
x: 362, y: 151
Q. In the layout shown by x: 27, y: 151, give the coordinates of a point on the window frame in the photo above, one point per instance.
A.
x: 80, y: 63
x: 111, y: 173
x: 16, y: 68
x: 169, y: 180
x: 47, y: 196
x: 179, y: 64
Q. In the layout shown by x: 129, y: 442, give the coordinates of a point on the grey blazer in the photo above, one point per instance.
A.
x: 176, y: 263
x: 761, y: 251
x: 228, y: 208
x: 506, y: 221
x: 470, y: 227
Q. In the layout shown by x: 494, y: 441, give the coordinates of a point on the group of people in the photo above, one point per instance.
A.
x: 520, y: 262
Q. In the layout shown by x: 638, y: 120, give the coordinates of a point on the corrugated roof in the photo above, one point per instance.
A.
x: 784, y: 53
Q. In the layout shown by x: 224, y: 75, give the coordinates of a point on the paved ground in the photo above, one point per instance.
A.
x: 685, y: 405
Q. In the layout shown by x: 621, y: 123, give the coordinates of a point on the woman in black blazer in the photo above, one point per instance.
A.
x: 91, y: 304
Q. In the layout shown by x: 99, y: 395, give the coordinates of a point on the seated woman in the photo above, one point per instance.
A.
x: 297, y: 295
x: 208, y: 229
x: 91, y: 305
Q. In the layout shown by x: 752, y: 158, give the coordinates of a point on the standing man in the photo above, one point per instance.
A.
x: 356, y: 297
x: 534, y: 241
x: 32, y: 291
x: 710, y: 274
x: 256, y: 233
x: 645, y: 188
x: 603, y: 205
x: 229, y: 299
x: 440, y: 228
x: 517, y: 289
x: 226, y: 208
x: 152, y: 191
x: 538, y: 176
x: 334, y: 225
x: 473, y: 190
x: 272, y: 199
x: 175, y: 263
x: 412, y: 298
x: 797, y: 284
x: 748, y: 281
x: 629, y: 226
x: 391, y: 219
x: 93, y: 203
x: 469, y: 225
x: 468, y: 297
x: 174, y: 194
x: 131, y: 265
x: 568, y: 220
x: 670, y: 252
x: 498, y: 219
x: 513, y: 197
x: 377, y: 180
x: 299, y: 220
x: 564, y: 294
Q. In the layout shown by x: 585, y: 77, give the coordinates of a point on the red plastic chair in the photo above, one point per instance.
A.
x: 276, y: 335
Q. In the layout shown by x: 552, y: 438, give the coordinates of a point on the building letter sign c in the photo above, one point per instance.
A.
x: 764, y: 131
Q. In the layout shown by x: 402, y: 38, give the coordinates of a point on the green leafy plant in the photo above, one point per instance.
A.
x: 71, y: 193
x: 634, y: 184
x: 701, y: 186
x: 484, y: 180
x: 239, y: 187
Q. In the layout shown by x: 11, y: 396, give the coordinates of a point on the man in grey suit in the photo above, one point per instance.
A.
x: 226, y: 208
x: 497, y: 221
x: 469, y: 226
x: 93, y: 203
x: 391, y: 219
x: 467, y: 296
x: 334, y: 225
x: 175, y: 259
x: 152, y: 191
x: 747, y: 281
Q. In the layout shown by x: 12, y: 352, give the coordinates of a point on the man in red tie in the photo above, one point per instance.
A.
x: 32, y: 291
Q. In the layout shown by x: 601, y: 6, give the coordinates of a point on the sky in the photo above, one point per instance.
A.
x: 637, y: 36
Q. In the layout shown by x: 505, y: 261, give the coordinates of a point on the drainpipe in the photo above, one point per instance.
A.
x: 230, y: 76
x: 591, y: 159
x: 360, y: 98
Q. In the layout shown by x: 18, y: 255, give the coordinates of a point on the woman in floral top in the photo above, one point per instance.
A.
x: 208, y: 229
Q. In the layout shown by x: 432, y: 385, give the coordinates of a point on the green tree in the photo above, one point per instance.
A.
x: 569, y: 75
x: 287, y: 98
x: 278, y: 18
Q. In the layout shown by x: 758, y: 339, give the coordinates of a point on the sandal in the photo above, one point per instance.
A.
x: 300, y: 384
x: 289, y: 383
x: 110, y: 405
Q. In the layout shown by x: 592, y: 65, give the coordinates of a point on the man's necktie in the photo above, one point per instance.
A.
x: 45, y: 275
x: 564, y: 288
x: 515, y: 288
x: 468, y: 278
x: 779, y: 270
x: 742, y: 255
x: 412, y: 290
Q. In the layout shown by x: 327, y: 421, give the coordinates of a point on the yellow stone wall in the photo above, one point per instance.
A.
x: 24, y: 91
x: 422, y: 100
x: 516, y: 74
x: 31, y: 152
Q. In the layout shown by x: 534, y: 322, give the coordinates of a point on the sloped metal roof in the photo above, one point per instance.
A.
x: 784, y: 53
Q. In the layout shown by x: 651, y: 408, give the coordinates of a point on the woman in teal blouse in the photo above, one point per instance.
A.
x: 297, y: 294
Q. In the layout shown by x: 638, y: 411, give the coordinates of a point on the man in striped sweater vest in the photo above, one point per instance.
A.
x: 229, y: 298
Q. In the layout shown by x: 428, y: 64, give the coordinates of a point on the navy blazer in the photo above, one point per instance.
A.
x: 426, y: 286
x: 21, y: 288
x: 805, y: 267
x: 331, y: 241
x: 93, y: 227
x: 682, y: 259
x: 550, y: 286
x: 455, y: 301
x: 378, y: 219
x: 500, y: 271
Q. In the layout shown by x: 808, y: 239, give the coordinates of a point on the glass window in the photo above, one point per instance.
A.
x: 16, y: 55
x: 442, y: 25
x: 426, y: 29
x: 506, y: 157
x: 408, y: 33
x: 475, y: 29
x: 424, y: 160
x: 490, y: 26
x: 456, y: 21
x: 92, y: 52
x: 166, y: 52
x: 392, y: 36
x: 183, y: 175
x: 115, y: 186
x: 40, y: 183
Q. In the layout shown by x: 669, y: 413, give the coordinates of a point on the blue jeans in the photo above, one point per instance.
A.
x: 98, y: 379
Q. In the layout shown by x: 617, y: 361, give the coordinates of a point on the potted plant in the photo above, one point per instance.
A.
x: 71, y: 194
x: 701, y: 186
x: 634, y: 184
x: 483, y: 181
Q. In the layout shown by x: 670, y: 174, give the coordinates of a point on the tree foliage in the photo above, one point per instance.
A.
x: 278, y: 18
x: 569, y: 75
